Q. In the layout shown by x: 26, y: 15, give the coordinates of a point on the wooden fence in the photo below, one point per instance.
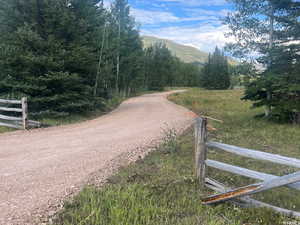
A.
x: 268, y: 181
x: 19, y: 107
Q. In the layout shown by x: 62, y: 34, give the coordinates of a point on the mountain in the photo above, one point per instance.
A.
x: 185, y: 53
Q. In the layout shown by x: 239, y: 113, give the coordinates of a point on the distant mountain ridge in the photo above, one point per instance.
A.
x: 187, y: 54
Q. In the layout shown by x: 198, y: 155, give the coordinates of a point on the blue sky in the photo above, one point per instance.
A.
x: 191, y: 22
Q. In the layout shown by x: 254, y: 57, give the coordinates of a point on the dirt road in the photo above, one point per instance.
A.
x: 39, y: 168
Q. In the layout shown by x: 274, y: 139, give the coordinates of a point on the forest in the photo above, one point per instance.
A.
x: 71, y: 56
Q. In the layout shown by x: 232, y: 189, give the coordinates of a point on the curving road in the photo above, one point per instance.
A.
x: 40, y: 168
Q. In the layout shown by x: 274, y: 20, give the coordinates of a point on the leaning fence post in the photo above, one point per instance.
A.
x: 200, y: 149
x: 24, y: 113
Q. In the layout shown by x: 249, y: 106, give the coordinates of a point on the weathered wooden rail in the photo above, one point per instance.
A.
x: 17, y: 122
x: 268, y: 181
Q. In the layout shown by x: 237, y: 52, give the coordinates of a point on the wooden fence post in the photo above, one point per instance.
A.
x: 24, y: 113
x: 200, y: 149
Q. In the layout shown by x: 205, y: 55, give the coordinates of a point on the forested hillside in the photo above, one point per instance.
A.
x: 72, y: 56
x: 187, y: 54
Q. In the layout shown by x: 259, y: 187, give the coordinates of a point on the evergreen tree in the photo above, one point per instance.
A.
x: 162, y: 69
x: 242, y: 73
x: 68, y: 56
x: 215, y: 74
x: 50, y: 52
x: 270, y: 28
x: 128, y: 45
x: 186, y: 74
x: 159, y: 67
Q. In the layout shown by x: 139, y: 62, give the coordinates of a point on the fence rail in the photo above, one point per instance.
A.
x: 268, y: 181
x: 4, y: 101
x: 16, y: 122
x: 254, y: 154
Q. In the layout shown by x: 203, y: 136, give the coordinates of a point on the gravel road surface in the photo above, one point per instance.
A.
x: 41, y: 168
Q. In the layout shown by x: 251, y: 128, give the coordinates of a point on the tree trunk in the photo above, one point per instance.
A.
x: 296, y: 118
x: 268, y: 108
x: 39, y: 17
x: 99, y: 63
x: 118, y: 56
x: 271, y: 38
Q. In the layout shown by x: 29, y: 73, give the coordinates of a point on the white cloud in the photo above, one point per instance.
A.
x: 147, y: 17
x: 107, y: 3
x: 203, y: 37
x: 197, y: 2
x: 199, y: 11
x: 153, y: 17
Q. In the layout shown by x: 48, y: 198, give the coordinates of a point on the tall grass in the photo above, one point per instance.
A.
x: 242, y: 128
x: 160, y: 189
x: 4, y: 129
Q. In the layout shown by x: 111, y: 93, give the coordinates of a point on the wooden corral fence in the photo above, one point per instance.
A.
x: 268, y: 181
x: 19, y: 107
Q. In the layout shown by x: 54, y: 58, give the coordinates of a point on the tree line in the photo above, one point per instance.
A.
x: 215, y: 74
x: 72, y: 55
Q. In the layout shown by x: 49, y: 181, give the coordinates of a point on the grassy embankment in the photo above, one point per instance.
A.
x: 161, y: 188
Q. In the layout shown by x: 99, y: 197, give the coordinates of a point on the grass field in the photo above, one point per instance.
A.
x: 161, y: 189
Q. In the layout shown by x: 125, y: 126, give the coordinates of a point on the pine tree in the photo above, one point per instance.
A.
x: 128, y: 47
x: 185, y: 74
x: 270, y: 28
x: 160, y: 67
x: 215, y: 74
x: 68, y: 56
x: 50, y: 52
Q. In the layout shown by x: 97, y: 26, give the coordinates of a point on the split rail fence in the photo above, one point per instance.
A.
x: 268, y: 181
x: 19, y: 108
